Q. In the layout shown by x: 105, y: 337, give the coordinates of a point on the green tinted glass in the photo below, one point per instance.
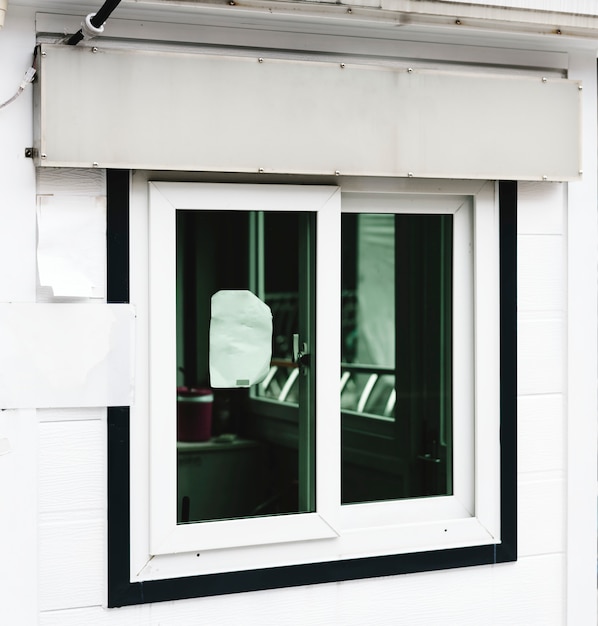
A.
x: 396, y: 388
x: 246, y: 450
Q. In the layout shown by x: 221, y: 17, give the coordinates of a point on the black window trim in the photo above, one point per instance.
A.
x: 123, y: 592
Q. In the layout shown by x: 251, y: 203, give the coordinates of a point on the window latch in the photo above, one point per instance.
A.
x: 300, y: 355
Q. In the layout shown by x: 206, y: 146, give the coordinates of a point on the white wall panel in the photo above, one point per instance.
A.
x: 18, y: 429
x: 541, y: 433
x: 582, y: 366
x: 530, y: 593
x: 71, y: 414
x: 17, y: 174
x: 541, y: 208
x: 541, y: 273
x: 541, y: 521
x: 523, y: 593
x: 540, y: 347
x: 72, y: 460
x: 18, y: 517
x: 66, y: 181
x: 463, y: 596
x: 71, y: 562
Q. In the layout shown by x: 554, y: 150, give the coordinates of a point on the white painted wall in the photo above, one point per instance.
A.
x: 52, y: 483
x: 581, y: 371
x: 18, y: 468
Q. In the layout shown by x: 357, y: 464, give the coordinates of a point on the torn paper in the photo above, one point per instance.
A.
x: 240, y: 339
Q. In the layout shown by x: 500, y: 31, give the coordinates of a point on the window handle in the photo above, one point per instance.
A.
x: 428, y: 458
x: 300, y: 355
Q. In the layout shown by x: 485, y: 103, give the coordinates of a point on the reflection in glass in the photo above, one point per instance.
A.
x: 396, y: 356
x: 238, y: 453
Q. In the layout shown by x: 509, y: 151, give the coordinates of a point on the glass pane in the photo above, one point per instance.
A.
x: 239, y: 456
x: 396, y: 385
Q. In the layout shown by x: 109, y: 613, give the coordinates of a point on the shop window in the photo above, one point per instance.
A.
x: 375, y: 437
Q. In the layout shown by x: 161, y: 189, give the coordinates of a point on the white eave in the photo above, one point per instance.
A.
x: 575, y: 18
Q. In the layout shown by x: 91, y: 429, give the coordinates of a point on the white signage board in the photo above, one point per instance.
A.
x: 199, y: 112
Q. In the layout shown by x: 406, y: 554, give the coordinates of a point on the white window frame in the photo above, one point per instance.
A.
x: 471, y: 517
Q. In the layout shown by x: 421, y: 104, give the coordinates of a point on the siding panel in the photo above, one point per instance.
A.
x: 540, y: 516
x: 540, y: 273
x: 526, y: 592
x: 540, y: 357
x: 71, y: 466
x: 17, y: 177
x: 71, y: 564
x: 541, y: 423
x: 531, y: 592
x: 18, y: 521
x: 541, y: 208
x: 67, y: 181
x: 71, y: 414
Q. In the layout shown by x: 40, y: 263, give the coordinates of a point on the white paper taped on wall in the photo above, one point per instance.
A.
x: 66, y: 355
x: 240, y: 339
x: 71, y: 249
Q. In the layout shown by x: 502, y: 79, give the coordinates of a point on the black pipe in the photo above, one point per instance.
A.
x: 97, y: 20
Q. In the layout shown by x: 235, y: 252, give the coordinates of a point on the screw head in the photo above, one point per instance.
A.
x: 409, y: 70
x: 410, y: 174
x: 94, y: 50
x: 261, y: 170
x: 43, y: 155
x: 260, y: 60
x: 337, y: 173
x: 544, y: 79
x: 342, y: 66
